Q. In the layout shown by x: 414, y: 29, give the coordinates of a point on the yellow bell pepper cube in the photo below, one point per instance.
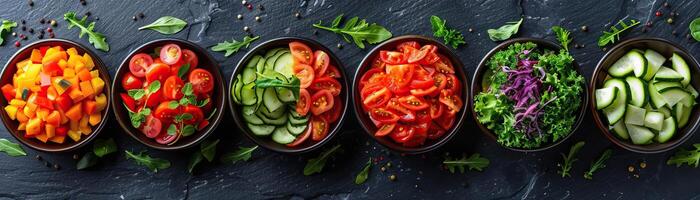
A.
x: 36, y: 56
x: 23, y: 83
x: 61, y: 85
x: 97, y: 84
x: 50, y: 130
x: 17, y: 102
x: 30, y: 110
x: 76, y: 94
x: 11, y: 111
x: 80, y: 66
x: 95, y: 73
x: 21, y: 117
x: 100, y: 102
x: 84, y: 124
x: 58, y: 139
x: 72, y: 51
x: 42, y: 137
x: 87, y: 60
x: 22, y: 64
x: 75, y: 135
x: 68, y: 73
x: 63, y: 64
x: 33, y: 71
x: 51, y: 51
x: 55, y: 57
x: 74, y: 125
x: 22, y: 126
x: 95, y: 119
x: 43, y: 113
x: 87, y: 89
x: 34, y: 126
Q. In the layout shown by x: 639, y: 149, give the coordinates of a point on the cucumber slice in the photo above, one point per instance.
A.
x: 635, y: 115
x: 249, y: 75
x: 272, y: 52
x: 668, y: 130
x: 294, y: 113
x: 296, y: 129
x: 270, y: 62
x: 657, y: 101
x: 664, y: 86
x: 674, y: 95
x: 604, y: 97
x: 688, y: 101
x: 284, y: 64
x: 655, y: 60
x: 236, y: 90
x: 616, y: 111
x: 285, y: 95
x: 252, y: 119
x: 621, y: 130
x: 260, y: 130
x: 248, y: 96
x: 654, y: 120
x: 259, y: 93
x: 637, y: 91
x: 272, y: 115
x: 270, y: 100
x: 633, y: 61
x: 681, y: 67
x: 253, y: 62
x: 690, y: 89
x: 667, y: 74
x: 261, y: 65
x: 666, y: 111
x: 281, y: 135
x: 249, y: 110
x: 681, y: 113
x: 278, y: 121
x: 639, y: 135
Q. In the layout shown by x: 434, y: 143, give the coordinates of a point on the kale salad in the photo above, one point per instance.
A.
x: 531, y: 96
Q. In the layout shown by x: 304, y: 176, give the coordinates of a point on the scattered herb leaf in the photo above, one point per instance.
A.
x: 562, y: 36
x: 208, y: 149
x: 195, y: 159
x: 598, y: 164
x: 694, y: 29
x: 569, y: 159
x: 362, y: 176
x: 6, y: 27
x: 359, y: 30
x: 154, y: 164
x: 614, y: 34
x: 267, y: 82
x: 451, y: 36
x: 683, y: 156
x: 315, y: 165
x: 183, y: 70
x: 88, y: 160
x: 473, y: 162
x: 11, y: 148
x: 504, y: 32
x: 233, y: 46
x: 243, y: 153
x: 102, y: 147
x: 98, y: 40
x: 167, y: 25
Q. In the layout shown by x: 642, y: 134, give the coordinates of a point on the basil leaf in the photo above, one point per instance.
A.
x: 173, y: 104
x: 11, y: 148
x: 136, y: 120
x: 315, y: 165
x: 136, y: 93
x: 88, y: 160
x: 102, y: 147
x: 362, y: 176
x: 154, y: 164
x: 694, y: 29
x: 359, y: 30
x: 146, y: 111
x: 188, y: 130
x: 243, y: 153
x: 195, y: 159
x: 184, y: 101
x: 451, y: 37
x: 203, y: 102
x: 154, y: 87
x: 166, y: 25
x: 172, y: 130
x: 208, y: 149
x: 97, y: 40
x: 504, y: 32
x: 183, y: 70
x: 233, y: 46
x: 6, y: 27
x: 187, y: 89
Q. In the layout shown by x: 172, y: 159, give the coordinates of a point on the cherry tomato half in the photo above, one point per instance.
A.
x: 190, y: 58
x: 319, y: 128
x: 303, y: 137
x: 333, y: 72
x: 202, y: 81
x: 305, y: 74
x: 304, y: 102
x: 172, y: 89
x: 375, y: 96
x: 170, y: 54
x: 405, y: 115
x: 413, y: 103
x: 157, y: 72
x: 139, y: 63
x: 452, y: 102
x: 321, y: 61
x: 326, y: 83
x: 301, y: 52
x: 383, y: 116
x: 402, y: 133
x: 130, y: 82
x: 416, y: 55
x: 321, y: 102
x: 392, y: 57
x: 334, y: 114
x: 384, y: 130
x: 404, y: 46
x: 196, y: 113
x: 152, y: 127
x: 165, y: 138
x: 165, y: 113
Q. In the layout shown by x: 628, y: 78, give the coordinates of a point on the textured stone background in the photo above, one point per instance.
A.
x: 511, y: 175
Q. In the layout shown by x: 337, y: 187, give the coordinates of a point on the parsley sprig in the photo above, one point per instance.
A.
x: 569, y: 159
x: 139, y: 116
x: 451, y: 36
x: 473, y: 162
x: 684, y: 156
x: 614, y: 34
x: 598, y: 164
x: 562, y: 36
x: 359, y: 30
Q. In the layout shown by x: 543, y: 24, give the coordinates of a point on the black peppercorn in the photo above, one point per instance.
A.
x: 47, y: 164
x: 38, y: 157
x: 133, y: 17
x: 576, y: 46
x: 88, y: 13
x: 674, y: 33
x: 83, y: 2
x: 31, y: 3
x: 24, y: 28
x: 260, y: 7
x: 141, y: 15
x: 23, y: 22
x: 42, y: 21
x: 40, y: 36
x: 31, y: 30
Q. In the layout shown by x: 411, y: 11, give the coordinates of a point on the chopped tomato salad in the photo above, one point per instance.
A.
x: 411, y: 94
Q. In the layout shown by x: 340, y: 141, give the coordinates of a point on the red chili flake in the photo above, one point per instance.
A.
x: 21, y: 36
x: 658, y: 13
x: 49, y: 29
x: 250, y: 6
x: 381, y: 158
x: 17, y: 44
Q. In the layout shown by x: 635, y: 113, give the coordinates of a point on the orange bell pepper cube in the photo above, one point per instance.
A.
x: 84, y: 75
x: 8, y: 91
x: 50, y: 130
x: 34, y: 126
x: 89, y: 106
x: 54, y: 119
x: 87, y: 89
x: 74, y: 113
x: 64, y: 102
x: 36, y: 56
x: 58, y: 139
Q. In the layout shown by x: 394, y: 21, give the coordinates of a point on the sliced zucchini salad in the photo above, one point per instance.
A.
x: 289, y: 94
x: 644, y: 100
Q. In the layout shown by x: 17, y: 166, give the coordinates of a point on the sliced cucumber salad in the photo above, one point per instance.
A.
x: 644, y: 100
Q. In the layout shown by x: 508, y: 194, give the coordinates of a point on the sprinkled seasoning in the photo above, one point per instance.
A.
x: 257, y: 18
x: 239, y: 17
x: 38, y: 157
x: 643, y: 165
x: 630, y: 168
x: 54, y: 23
x: 56, y: 166
x: 669, y: 20
x: 471, y: 30
x: 246, y: 28
x: 340, y: 46
x: 584, y: 28
x: 297, y: 15
x: 658, y: 13
x: 31, y: 3
x: 75, y: 156
x: 392, y: 177
x: 141, y: 15
x: 648, y: 24
x: 83, y: 2
x: 133, y: 17
x: 666, y: 4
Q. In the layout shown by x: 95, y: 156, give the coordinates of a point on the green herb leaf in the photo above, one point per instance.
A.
x: 88, y: 160
x: 6, y: 27
x: 98, y: 40
x: 598, y: 164
x: 473, y: 162
x: 694, y: 29
x: 136, y: 93
x: 154, y: 87
x: 315, y: 165
x: 243, y: 153
x: 614, y: 34
x: 172, y: 129
x: 187, y: 89
x: 233, y: 46
x: 183, y: 70
x: 359, y: 30
x: 102, y: 147
x: 167, y: 25
x: 451, y: 36
x: 504, y: 32
x: 188, y: 130
x: 208, y: 149
x: 562, y: 36
x: 683, y: 156
x: 11, y: 148
x: 173, y: 104
x: 154, y: 164
x: 569, y: 159
x: 136, y: 119
x: 267, y: 82
x: 362, y: 176
x: 195, y: 159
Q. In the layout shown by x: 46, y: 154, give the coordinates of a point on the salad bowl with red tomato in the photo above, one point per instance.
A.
x: 410, y: 94
x: 289, y: 95
x: 169, y: 94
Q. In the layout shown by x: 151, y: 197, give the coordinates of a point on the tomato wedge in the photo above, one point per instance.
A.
x: 453, y: 84
x: 368, y: 75
x: 445, y: 121
x: 392, y: 57
x: 383, y: 116
x: 301, y: 52
x: 303, y: 137
x: 402, y: 133
x: 305, y: 74
x: 326, y: 83
x: 164, y: 113
x: 435, y: 131
x: 444, y: 65
x: 319, y: 127
x: 405, y: 115
x: 436, y: 108
x: 304, y: 102
x: 334, y: 114
x: 321, y: 60
x: 139, y: 63
x: 413, y: 103
x: 321, y: 102
x: 375, y: 96
x: 157, y: 72
x: 196, y: 113
x: 452, y: 102
x: 172, y: 89
x: 401, y: 74
x: 152, y: 127
x: 130, y: 82
x: 418, y: 55
x: 190, y: 58
x: 170, y: 54
x: 403, y: 47
x: 384, y: 130
x: 202, y: 81
x: 333, y: 72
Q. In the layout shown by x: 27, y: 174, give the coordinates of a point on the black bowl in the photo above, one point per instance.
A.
x: 665, y: 48
x: 478, y: 86
x: 266, y: 142
x: 205, y: 62
x: 10, y: 69
x: 364, y: 119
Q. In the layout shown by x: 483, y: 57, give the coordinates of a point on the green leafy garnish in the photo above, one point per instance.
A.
x: 102, y: 147
x: 451, y: 36
x: 359, y: 30
x: 207, y: 150
x: 98, y: 40
x: 683, y: 156
x: 233, y: 46
x: 614, y: 34
x: 242, y: 154
x: 569, y: 159
x: 315, y: 165
x: 504, y: 32
x: 154, y: 164
x: 88, y: 160
x: 195, y: 159
x: 11, y: 148
x: 694, y: 29
x: 6, y: 27
x: 267, y: 82
x: 362, y: 176
x: 166, y: 25
x: 183, y: 70
x: 562, y: 36
x: 598, y: 164
x: 473, y: 162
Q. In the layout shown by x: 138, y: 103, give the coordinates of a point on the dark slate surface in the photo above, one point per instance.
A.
x: 511, y: 175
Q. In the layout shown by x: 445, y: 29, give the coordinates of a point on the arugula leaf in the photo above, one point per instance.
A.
x: 11, y: 148
x: 6, y: 27
x: 598, y: 164
x: 504, y: 32
x: 88, y: 160
x: 694, y: 27
x: 614, y: 35
x: 208, y: 149
x: 267, y: 82
x: 562, y: 36
x: 363, y: 175
x: 167, y: 25
x: 195, y: 159
x: 451, y: 37
x: 474, y: 162
x: 359, y: 30
x: 243, y: 153
x: 315, y: 165
x: 569, y: 159
x: 233, y: 46
x: 683, y: 156
x: 102, y: 147
x: 98, y: 40
x: 154, y: 164
x: 183, y: 70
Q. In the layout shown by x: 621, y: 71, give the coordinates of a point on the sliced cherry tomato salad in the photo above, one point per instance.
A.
x: 411, y: 94
x: 167, y: 96
x: 290, y: 118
